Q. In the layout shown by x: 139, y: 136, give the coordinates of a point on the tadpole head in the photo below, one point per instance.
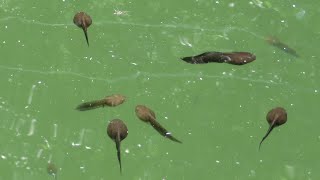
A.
x: 144, y: 114
x: 115, y: 100
x: 117, y: 128
x: 52, y: 170
x: 277, y: 116
x: 82, y: 20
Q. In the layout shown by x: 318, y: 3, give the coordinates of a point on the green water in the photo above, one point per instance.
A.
x: 217, y: 110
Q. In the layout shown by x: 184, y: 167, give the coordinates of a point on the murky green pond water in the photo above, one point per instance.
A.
x: 218, y: 111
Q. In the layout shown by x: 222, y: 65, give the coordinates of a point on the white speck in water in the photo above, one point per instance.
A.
x: 19, y: 41
x: 46, y: 141
x: 3, y: 157
x: 260, y: 161
x: 39, y: 82
x: 282, y: 21
x: 75, y: 144
x: 315, y: 91
x: 6, y: 27
x: 39, y: 153
x: 231, y: 5
x: 237, y: 163
x: 127, y: 151
x: 55, y: 130
x: 23, y: 158
x: 293, y: 5
x: 267, y: 87
x: 240, y: 106
x: 217, y: 161
x: 3, y: 42
x: 224, y: 73
x: 251, y: 136
x: 31, y: 94
x: 166, y: 117
x: 139, y: 145
x: 200, y: 78
x: 167, y: 153
x: 252, y: 173
x: 31, y: 130
x: 134, y: 64
x: 168, y: 133
x: 88, y: 147
x: 217, y: 2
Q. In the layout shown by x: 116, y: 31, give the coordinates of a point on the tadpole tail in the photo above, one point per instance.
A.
x: 86, y: 34
x: 117, y: 140
x: 90, y: 105
x: 162, y: 130
x: 188, y: 60
x: 267, y: 134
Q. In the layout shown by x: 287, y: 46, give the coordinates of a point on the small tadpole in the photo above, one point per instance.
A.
x: 117, y: 131
x: 277, y: 43
x: 110, y: 101
x: 235, y: 58
x: 275, y: 118
x: 52, y: 170
x: 147, y: 115
x: 83, y: 21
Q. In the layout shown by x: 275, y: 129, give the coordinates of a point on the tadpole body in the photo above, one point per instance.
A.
x: 235, y: 58
x: 52, y: 170
x: 275, y: 117
x: 111, y: 101
x: 147, y: 115
x: 117, y: 131
x: 83, y: 21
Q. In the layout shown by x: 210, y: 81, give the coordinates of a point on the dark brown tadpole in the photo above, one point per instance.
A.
x: 117, y: 131
x: 277, y: 43
x: 52, y: 170
x: 147, y: 115
x: 235, y: 58
x: 275, y: 117
x: 83, y: 21
x: 111, y: 101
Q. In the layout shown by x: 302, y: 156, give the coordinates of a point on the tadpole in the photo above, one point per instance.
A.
x: 147, y: 115
x: 117, y: 131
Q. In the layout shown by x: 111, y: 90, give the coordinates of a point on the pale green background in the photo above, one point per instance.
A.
x: 217, y: 110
